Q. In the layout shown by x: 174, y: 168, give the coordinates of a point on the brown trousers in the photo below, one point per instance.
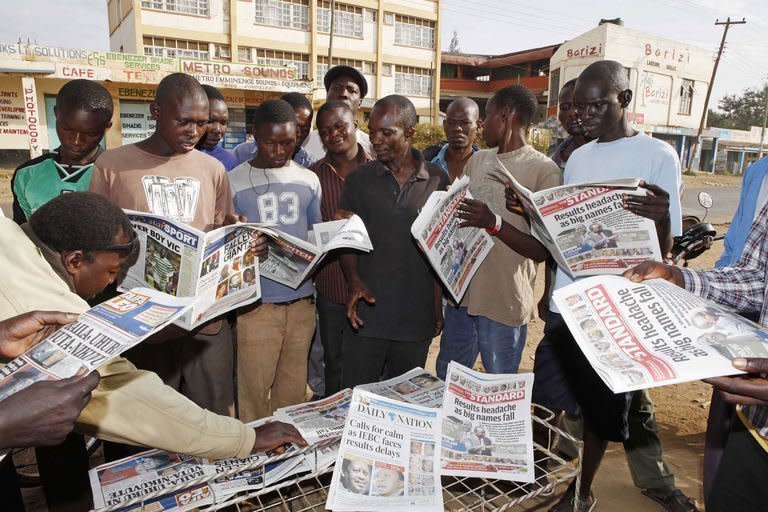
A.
x: 272, y: 346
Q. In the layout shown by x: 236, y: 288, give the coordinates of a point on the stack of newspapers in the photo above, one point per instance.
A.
x: 388, y: 444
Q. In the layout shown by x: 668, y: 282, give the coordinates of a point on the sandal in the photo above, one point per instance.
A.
x: 672, y: 499
x: 566, y: 503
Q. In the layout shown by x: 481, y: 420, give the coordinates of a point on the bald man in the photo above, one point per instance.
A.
x: 165, y: 175
x: 461, y: 124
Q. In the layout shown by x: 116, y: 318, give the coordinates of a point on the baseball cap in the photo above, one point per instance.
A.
x: 349, y: 71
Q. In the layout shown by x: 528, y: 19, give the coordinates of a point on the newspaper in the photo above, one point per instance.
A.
x: 585, y: 226
x: 487, y: 425
x: 216, y: 268
x: 416, y: 386
x: 455, y: 253
x: 154, y: 470
x: 137, y: 476
x: 386, y: 460
x: 320, y: 420
x: 100, y: 334
x: 291, y: 260
x: 642, y: 335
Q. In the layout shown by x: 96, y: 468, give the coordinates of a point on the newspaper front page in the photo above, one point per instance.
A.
x: 416, y: 386
x: 137, y: 476
x: 487, y: 425
x: 642, y: 335
x: 585, y: 226
x: 320, y: 420
x: 216, y: 268
x: 455, y: 253
x: 388, y: 457
x: 290, y: 260
x: 100, y: 334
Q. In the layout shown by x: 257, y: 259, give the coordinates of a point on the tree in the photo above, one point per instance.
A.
x: 453, y: 46
x: 740, y: 111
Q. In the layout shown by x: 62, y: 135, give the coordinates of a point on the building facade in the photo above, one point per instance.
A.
x: 480, y: 76
x: 669, y: 80
x: 394, y: 43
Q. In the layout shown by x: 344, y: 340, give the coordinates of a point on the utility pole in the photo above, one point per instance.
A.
x: 727, y: 23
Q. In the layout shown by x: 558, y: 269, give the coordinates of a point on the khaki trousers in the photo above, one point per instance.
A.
x: 272, y: 346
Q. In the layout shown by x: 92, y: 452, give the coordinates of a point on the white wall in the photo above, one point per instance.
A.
x: 214, y: 22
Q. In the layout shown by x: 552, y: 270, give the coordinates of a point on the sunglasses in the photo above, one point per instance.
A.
x: 128, y: 247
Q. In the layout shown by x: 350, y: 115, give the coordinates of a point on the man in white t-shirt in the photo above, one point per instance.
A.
x: 343, y: 83
x: 564, y: 378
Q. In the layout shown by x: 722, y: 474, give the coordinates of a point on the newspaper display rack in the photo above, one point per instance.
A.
x: 309, y: 491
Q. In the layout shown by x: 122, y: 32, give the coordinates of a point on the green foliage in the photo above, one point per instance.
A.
x: 740, y: 111
x: 427, y: 135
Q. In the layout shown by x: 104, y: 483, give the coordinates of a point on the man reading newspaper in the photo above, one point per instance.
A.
x: 564, y: 379
x: 71, y: 249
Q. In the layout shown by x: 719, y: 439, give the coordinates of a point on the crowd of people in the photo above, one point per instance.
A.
x: 375, y: 314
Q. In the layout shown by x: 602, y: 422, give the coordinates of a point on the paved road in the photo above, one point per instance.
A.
x: 724, y: 202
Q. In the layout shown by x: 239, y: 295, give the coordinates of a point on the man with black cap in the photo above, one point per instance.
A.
x: 346, y: 84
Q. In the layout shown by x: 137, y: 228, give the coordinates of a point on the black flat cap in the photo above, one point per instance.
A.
x: 337, y: 71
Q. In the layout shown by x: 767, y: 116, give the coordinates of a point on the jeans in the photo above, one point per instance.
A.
x: 332, y: 323
x: 465, y: 336
x: 367, y: 359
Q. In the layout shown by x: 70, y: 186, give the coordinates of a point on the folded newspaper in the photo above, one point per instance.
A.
x: 290, y: 260
x: 416, y: 386
x: 487, y: 425
x: 585, y: 226
x: 388, y: 458
x: 455, y: 253
x: 139, y: 476
x: 219, y: 269
x: 642, y: 335
x: 100, y: 334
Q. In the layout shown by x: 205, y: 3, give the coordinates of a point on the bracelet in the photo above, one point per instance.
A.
x: 496, y: 228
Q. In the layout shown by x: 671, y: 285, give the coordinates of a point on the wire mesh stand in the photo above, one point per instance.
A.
x: 308, y: 492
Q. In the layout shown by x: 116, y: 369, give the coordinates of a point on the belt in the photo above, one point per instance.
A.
x: 289, y: 302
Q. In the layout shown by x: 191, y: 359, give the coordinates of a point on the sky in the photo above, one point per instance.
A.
x: 484, y: 27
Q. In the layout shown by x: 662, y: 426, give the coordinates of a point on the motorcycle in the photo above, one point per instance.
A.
x: 698, y: 234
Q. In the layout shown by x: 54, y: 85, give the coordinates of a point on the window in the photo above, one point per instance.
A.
x: 347, y: 20
x: 265, y: 57
x: 389, y: 18
x: 196, y: 7
x: 175, y: 48
x: 686, y: 97
x: 386, y: 69
x: 222, y: 52
x: 414, y: 32
x: 283, y: 13
x: 370, y: 15
x: 365, y: 67
x: 411, y: 81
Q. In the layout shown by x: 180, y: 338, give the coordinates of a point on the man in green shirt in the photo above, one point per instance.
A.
x: 83, y: 113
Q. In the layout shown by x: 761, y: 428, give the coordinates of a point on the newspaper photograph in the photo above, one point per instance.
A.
x: 147, y: 472
x: 486, y: 421
x: 416, y: 386
x: 290, y: 260
x: 455, y: 253
x: 100, y: 334
x: 216, y: 268
x: 319, y: 420
x: 643, y: 335
x: 386, y: 459
x: 585, y: 226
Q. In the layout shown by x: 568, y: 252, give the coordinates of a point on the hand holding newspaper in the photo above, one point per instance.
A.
x: 100, y: 334
x: 585, y: 226
x: 487, y: 425
x: 219, y: 270
x: 642, y: 335
x: 387, y: 458
x: 455, y: 253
